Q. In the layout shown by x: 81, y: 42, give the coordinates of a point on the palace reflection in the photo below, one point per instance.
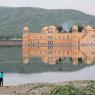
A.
x: 51, y: 55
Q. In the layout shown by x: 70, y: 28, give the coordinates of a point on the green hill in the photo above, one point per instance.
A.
x: 12, y: 20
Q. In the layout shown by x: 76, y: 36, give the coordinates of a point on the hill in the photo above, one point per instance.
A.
x: 12, y: 20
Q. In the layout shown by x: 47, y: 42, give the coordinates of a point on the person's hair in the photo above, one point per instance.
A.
x: 1, y: 72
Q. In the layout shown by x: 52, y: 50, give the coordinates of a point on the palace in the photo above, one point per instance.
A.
x: 50, y: 36
x: 52, y: 44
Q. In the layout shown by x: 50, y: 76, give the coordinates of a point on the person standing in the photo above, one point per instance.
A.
x: 1, y: 78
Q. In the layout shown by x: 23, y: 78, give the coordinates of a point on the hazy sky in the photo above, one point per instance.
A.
x: 87, y: 6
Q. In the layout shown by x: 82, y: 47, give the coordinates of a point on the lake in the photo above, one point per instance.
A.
x: 49, y: 64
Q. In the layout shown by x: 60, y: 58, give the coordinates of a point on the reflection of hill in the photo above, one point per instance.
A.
x: 11, y: 61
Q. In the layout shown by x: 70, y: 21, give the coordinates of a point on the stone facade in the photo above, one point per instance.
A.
x: 51, y: 36
x: 46, y: 45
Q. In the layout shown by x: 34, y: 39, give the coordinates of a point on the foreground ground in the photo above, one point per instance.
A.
x: 67, y: 88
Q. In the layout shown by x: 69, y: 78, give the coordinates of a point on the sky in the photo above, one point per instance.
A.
x: 87, y: 6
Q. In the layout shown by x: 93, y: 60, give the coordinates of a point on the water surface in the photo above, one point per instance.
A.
x: 29, y: 64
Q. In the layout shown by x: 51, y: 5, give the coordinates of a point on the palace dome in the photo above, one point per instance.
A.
x: 75, y: 27
x: 89, y: 28
x: 52, y: 27
x: 26, y: 28
x: 44, y: 29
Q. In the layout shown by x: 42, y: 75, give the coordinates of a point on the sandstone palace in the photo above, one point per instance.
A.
x: 52, y: 36
x: 53, y: 44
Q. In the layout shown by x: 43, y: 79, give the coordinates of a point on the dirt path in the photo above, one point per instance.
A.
x: 15, y: 90
x: 26, y: 89
x: 37, y: 89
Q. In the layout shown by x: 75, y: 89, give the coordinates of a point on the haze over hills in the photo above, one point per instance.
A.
x: 12, y: 20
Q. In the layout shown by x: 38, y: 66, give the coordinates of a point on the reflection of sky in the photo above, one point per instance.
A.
x: 87, y: 6
x: 50, y: 77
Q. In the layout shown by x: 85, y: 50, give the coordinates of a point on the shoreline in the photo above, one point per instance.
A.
x: 20, y: 43
x: 39, y: 88
x: 49, y: 77
x: 10, y: 42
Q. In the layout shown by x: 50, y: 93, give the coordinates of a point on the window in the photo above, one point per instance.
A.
x: 50, y: 42
x: 59, y: 37
x: 40, y: 37
x: 50, y: 58
x: 68, y: 37
x: 50, y: 37
x: 93, y: 52
x: 63, y: 37
x: 92, y: 36
x: 50, y: 52
x: 36, y: 37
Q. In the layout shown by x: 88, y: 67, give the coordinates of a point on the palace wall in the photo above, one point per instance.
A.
x: 87, y: 36
x: 42, y: 44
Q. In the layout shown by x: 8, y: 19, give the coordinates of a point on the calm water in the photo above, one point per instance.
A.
x: 47, y: 64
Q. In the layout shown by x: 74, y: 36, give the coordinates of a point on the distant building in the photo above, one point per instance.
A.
x: 52, y: 36
x: 46, y: 45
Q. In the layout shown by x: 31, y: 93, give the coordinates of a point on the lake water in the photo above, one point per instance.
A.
x: 26, y: 64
